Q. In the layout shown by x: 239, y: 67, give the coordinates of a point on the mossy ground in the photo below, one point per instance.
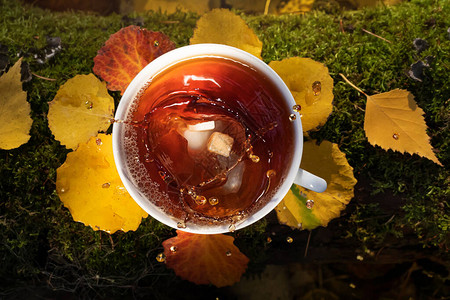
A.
x: 400, y: 199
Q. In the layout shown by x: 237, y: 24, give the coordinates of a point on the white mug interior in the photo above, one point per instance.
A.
x: 162, y: 63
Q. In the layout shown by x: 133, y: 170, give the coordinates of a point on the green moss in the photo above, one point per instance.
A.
x: 42, y: 244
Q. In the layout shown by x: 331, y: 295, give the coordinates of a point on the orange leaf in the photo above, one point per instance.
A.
x: 127, y: 52
x: 205, y: 259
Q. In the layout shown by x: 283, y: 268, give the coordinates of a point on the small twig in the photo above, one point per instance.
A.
x: 390, y: 219
x: 378, y: 252
x: 112, y: 242
x: 353, y: 86
x: 266, y: 7
x: 341, y: 25
x: 356, y: 106
x: 307, y: 244
x: 42, y: 77
x: 380, y: 37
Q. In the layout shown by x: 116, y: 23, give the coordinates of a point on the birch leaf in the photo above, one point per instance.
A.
x: 205, y: 258
x: 311, y: 86
x: 222, y: 26
x: 15, y: 120
x: 81, y: 108
x: 90, y: 187
x: 305, y: 209
x: 127, y: 52
x: 393, y: 120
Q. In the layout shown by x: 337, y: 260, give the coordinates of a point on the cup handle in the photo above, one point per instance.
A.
x: 310, y: 181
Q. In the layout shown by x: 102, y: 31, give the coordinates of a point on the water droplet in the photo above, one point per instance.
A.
x: 228, y: 253
x: 98, y: 141
x: 191, y: 192
x: 269, y: 240
x: 292, y: 117
x: 148, y: 158
x: 88, y: 104
x: 297, y: 108
x: 156, y: 43
x: 161, y: 257
x: 270, y: 154
x: 106, y: 185
x: 309, y: 204
x: 200, y: 200
x: 173, y: 249
x: 395, y: 136
x: 165, y: 176
x: 181, y: 224
x: 271, y: 173
x: 254, y: 158
x: 231, y: 228
x: 62, y: 190
x: 237, y: 218
x: 213, y: 201
x: 299, y: 225
x: 317, y: 88
x: 289, y: 239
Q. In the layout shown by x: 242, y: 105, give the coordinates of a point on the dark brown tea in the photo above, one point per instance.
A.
x: 208, y: 140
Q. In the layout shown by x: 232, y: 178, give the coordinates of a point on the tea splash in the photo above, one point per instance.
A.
x: 202, y: 138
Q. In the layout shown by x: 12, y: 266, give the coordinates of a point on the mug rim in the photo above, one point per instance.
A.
x: 164, y: 62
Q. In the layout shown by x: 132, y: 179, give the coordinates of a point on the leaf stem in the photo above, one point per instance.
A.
x: 352, y: 85
x: 307, y: 244
x: 375, y: 35
x: 266, y: 7
x: 42, y: 77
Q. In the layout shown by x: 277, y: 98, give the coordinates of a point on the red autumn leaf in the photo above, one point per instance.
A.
x: 127, y: 52
x: 205, y: 259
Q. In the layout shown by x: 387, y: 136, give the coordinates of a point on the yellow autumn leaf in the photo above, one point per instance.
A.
x: 311, y: 86
x: 371, y: 3
x: 170, y: 6
x: 90, y: 187
x: 15, y: 120
x: 222, y: 26
x: 305, y: 209
x: 81, y: 108
x: 394, y: 121
x: 296, y: 6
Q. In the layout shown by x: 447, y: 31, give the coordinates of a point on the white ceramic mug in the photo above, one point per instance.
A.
x: 292, y: 175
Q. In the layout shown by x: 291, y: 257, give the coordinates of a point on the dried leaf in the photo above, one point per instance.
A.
x: 394, y: 121
x: 90, y: 187
x: 15, y: 120
x: 127, y: 52
x: 43, y: 55
x: 221, y: 26
x: 328, y: 162
x: 81, y: 108
x: 416, y: 70
x: 205, y: 259
x: 420, y: 45
x: 311, y: 86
